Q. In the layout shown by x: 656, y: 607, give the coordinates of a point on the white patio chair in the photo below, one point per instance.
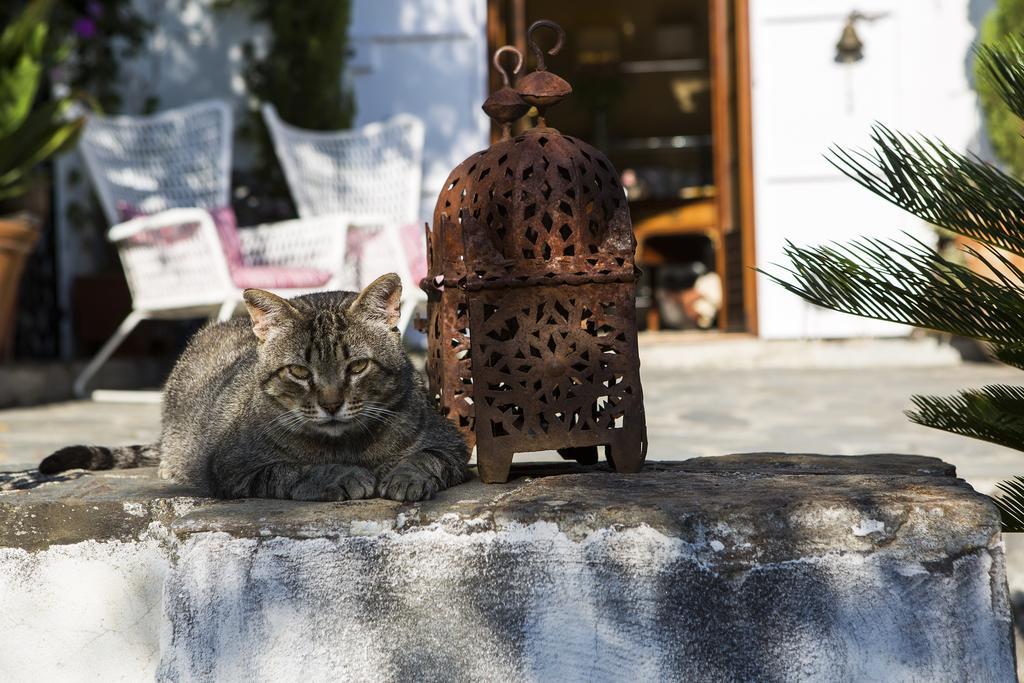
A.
x: 373, y: 175
x: 172, y: 170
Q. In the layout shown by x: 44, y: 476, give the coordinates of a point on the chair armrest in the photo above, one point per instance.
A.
x: 172, y: 259
x: 304, y: 242
x: 386, y: 250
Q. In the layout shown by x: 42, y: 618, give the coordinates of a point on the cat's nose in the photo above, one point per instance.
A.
x: 331, y: 407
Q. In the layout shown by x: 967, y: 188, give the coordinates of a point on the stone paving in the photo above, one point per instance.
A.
x: 690, y: 413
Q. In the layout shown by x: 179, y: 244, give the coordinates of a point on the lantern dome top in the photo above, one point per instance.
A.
x: 538, y: 208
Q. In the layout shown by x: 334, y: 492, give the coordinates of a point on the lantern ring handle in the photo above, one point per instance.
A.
x: 496, y: 60
x: 535, y: 48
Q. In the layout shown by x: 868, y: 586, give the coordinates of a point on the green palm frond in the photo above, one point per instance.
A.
x: 1010, y: 355
x: 927, y: 178
x: 910, y: 284
x: 1011, y: 504
x: 1003, y: 67
x: 994, y: 413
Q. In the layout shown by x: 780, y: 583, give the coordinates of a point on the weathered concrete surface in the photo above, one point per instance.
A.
x: 752, y: 567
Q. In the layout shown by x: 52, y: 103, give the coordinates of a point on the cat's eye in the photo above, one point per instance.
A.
x: 299, y: 372
x: 357, y: 366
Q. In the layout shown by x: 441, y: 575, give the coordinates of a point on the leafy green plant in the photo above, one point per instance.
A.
x: 29, y: 133
x: 912, y: 284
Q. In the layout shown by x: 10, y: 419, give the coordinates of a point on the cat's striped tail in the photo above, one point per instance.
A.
x: 100, y: 458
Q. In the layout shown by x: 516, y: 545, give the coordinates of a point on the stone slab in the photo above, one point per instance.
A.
x: 743, y: 567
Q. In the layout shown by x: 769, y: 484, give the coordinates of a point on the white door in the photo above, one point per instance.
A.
x: 912, y: 77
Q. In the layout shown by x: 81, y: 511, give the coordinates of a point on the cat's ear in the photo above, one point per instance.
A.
x: 380, y: 301
x: 268, y: 312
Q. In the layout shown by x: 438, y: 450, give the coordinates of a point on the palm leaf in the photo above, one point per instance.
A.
x: 994, y: 414
x: 909, y: 284
x: 1003, y: 68
x: 1011, y: 355
x: 1011, y: 504
x: 928, y: 179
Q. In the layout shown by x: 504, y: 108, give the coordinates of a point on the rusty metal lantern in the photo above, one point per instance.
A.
x: 531, y: 286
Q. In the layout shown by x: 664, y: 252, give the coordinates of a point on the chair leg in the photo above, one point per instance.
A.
x: 227, y: 309
x: 409, y: 301
x: 123, y: 330
x: 408, y: 308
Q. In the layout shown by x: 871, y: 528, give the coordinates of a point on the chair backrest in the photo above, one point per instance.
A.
x: 180, y: 158
x: 373, y: 171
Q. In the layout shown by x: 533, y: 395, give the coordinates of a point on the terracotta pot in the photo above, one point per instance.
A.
x: 18, y: 236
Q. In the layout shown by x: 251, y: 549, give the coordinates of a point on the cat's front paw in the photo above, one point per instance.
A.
x: 335, y: 482
x: 407, y: 483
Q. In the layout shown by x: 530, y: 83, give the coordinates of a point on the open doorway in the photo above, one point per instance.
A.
x: 662, y: 87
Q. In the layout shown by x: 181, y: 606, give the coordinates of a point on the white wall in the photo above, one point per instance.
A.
x: 427, y: 57
x: 914, y: 77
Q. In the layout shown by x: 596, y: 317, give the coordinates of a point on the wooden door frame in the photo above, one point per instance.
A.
x: 745, y: 161
x: 731, y: 130
x: 506, y: 23
x: 720, y: 72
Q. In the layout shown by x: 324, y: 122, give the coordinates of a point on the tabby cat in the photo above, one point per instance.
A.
x: 312, y: 398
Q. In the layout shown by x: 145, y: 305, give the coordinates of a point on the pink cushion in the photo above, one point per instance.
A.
x: 415, y: 242
x: 260, y: 277
x: 227, y: 230
x: 270, y: 277
x: 223, y: 219
x: 412, y: 239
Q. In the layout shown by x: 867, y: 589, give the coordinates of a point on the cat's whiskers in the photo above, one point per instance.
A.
x: 370, y: 413
x: 275, y: 422
x: 379, y: 408
x: 359, y: 423
x: 284, y: 424
x: 377, y: 412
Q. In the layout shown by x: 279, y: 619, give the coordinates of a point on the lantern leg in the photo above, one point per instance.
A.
x: 627, y: 452
x: 585, y: 455
x: 493, y: 465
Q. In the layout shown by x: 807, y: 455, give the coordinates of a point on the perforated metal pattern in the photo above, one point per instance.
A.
x: 538, y: 206
x: 555, y: 367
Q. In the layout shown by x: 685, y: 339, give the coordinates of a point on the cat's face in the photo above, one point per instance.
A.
x: 333, y: 361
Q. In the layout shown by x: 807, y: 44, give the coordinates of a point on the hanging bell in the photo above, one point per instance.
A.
x: 850, y: 48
